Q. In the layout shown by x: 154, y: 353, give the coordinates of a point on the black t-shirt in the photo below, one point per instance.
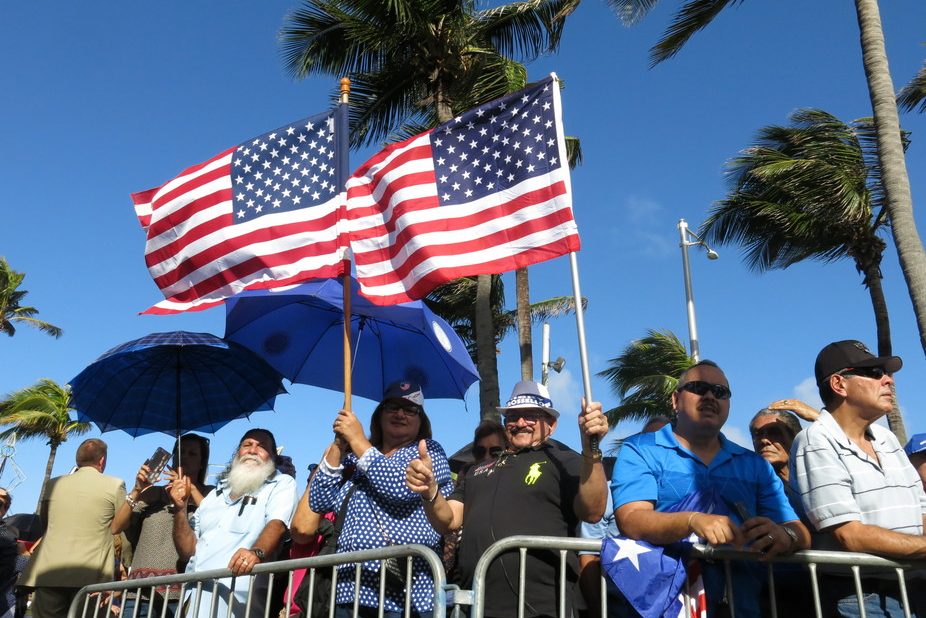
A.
x: 529, y: 492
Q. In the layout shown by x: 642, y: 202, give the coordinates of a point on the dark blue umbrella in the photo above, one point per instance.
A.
x: 174, y: 382
x: 299, y: 331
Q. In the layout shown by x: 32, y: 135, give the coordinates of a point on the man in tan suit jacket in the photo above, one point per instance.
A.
x: 83, y: 511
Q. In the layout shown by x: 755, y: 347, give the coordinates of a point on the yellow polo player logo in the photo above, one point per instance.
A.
x: 533, y: 473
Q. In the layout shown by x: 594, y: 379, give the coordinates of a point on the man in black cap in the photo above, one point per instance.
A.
x: 857, y: 486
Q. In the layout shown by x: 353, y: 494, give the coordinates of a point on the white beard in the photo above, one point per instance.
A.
x: 247, y: 474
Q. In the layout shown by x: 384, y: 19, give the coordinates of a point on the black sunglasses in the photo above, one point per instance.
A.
x: 480, y: 451
x: 700, y: 388
x: 875, y: 373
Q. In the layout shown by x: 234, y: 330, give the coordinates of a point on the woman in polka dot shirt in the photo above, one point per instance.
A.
x: 382, y: 511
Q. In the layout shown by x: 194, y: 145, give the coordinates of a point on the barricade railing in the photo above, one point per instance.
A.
x: 87, y: 604
x: 96, y: 601
x: 854, y: 564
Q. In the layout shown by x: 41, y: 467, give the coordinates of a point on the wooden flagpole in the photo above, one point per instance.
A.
x: 343, y: 149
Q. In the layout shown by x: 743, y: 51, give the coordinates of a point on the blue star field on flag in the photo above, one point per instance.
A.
x: 495, y: 146
x: 289, y: 168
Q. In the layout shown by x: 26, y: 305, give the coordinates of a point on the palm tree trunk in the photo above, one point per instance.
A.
x: 891, y: 155
x: 523, y: 288
x: 486, y: 362
x: 883, y: 326
x: 53, y: 450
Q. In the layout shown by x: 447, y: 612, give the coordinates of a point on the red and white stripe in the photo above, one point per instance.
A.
x: 405, y: 243
x: 198, y: 256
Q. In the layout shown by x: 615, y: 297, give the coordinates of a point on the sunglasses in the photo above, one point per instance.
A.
x: 701, y: 388
x: 529, y: 417
x: 480, y: 451
x: 393, y: 408
x: 875, y: 373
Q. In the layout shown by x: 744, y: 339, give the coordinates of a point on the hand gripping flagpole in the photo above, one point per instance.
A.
x: 583, y: 351
x: 343, y: 141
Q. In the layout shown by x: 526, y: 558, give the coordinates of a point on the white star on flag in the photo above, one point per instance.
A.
x: 630, y: 550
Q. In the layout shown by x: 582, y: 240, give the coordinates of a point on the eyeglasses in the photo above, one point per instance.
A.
x: 479, y: 452
x: 4, y: 504
x: 393, y: 408
x: 700, y: 388
x: 875, y: 373
x: 529, y: 417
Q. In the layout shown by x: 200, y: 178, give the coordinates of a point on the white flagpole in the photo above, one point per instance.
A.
x: 583, y: 351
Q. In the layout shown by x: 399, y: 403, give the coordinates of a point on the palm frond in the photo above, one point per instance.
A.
x: 645, y: 374
x: 913, y: 95
x: 631, y: 12
x: 695, y: 15
x: 807, y: 190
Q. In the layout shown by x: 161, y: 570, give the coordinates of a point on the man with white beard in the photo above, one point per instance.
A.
x: 238, y: 525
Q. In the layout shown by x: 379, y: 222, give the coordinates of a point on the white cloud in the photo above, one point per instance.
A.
x: 807, y: 392
x: 737, y: 435
x: 642, y: 210
x: 652, y: 244
x: 565, y: 391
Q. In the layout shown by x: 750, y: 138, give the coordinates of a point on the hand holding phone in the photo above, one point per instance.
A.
x: 156, y: 464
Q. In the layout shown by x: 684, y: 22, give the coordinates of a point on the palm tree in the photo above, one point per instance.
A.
x: 455, y: 302
x: 41, y: 411
x: 695, y: 15
x: 811, y: 190
x: 11, y: 309
x: 412, y: 64
x: 645, y: 375
x: 914, y: 93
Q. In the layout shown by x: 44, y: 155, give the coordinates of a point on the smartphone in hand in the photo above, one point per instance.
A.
x: 156, y: 464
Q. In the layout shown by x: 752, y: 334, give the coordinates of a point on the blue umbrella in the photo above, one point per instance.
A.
x: 299, y: 331
x: 173, y: 382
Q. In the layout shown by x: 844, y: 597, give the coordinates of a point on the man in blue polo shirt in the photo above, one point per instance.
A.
x: 658, y: 470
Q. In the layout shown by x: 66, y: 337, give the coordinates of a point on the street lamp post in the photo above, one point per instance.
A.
x: 685, y: 235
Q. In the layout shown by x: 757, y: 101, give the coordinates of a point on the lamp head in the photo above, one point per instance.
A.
x: 712, y: 255
x: 558, y: 364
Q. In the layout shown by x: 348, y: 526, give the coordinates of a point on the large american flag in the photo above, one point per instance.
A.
x: 484, y: 193
x: 259, y: 215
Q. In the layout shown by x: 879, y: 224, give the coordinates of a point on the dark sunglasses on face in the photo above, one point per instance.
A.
x: 480, y: 451
x: 700, y: 388
x: 875, y: 373
x: 529, y: 417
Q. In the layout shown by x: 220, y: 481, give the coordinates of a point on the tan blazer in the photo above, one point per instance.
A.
x: 77, y: 549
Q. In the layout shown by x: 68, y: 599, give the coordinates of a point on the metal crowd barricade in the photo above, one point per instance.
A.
x: 88, y: 602
x: 813, y: 559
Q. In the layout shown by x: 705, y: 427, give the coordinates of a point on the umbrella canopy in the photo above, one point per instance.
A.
x: 300, y: 332
x: 174, y: 382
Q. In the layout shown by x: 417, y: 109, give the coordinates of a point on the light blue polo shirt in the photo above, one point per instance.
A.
x: 655, y: 467
x: 222, y: 525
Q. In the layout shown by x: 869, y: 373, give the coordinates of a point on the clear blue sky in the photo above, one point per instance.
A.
x: 103, y: 99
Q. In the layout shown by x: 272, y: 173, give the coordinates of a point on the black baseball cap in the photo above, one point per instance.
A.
x: 848, y: 354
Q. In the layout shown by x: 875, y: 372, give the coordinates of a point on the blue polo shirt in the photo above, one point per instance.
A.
x: 655, y: 467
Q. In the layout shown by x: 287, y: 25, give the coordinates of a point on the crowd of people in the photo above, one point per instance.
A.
x: 841, y: 482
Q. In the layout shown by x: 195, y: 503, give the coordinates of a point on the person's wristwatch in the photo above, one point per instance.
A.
x: 259, y: 553
x: 793, y: 536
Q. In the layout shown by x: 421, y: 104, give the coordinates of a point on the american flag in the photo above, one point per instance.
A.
x: 259, y: 215
x: 484, y: 193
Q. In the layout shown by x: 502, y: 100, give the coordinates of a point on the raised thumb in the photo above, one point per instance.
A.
x: 423, y: 451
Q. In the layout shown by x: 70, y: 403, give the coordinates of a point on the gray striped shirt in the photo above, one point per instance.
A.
x: 838, y: 482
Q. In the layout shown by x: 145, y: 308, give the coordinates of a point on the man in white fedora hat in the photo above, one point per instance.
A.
x: 538, y: 486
